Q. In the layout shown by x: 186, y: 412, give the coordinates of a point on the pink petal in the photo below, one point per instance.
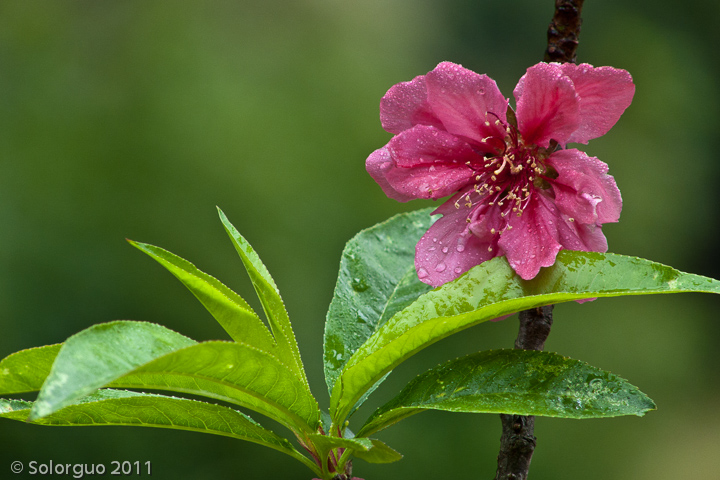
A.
x: 462, y: 100
x: 422, y: 162
x: 378, y: 164
x: 583, y: 189
x: 405, y: 105
x: 547, y: 105
x: 448, y: 249
x: 533, y: 241
x: 605, y: 93
x: 585, y: 238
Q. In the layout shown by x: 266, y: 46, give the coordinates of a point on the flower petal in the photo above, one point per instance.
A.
x: 547, y: 105
x: 533, y: 241
x: 378, y: 164
x: 605, y: 93
x: 586, y: 238
x: 422, y: 162
x: 405, y: 105
x: 583, y: 189
x: 462, y: 100
x: 448, y: 249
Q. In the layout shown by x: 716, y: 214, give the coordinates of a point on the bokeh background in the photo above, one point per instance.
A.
x: 135, y: 119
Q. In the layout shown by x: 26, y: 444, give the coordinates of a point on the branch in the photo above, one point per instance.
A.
x: 517, y: 442
x: 564, y: 31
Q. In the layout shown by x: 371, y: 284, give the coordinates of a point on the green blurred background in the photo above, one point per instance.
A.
x: 135, y: 119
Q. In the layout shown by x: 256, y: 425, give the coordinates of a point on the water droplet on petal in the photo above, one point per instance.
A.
x: 458, y: 270
x: 435, y: 239
x: 460, y: 248
x: 445, y: 249
x: 422, y: 273
x: 441, y: 267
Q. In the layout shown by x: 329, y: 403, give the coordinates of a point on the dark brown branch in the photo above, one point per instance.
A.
x: 535, y: 327
x: 517, y: 442
x: 564, y: 31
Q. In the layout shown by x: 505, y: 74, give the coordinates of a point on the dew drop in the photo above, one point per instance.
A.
x: 460, y: 248
x: 358, y: 284
x: 445, y: 249
x: 338, y: 356
x: 458, y: 270
x: 440, y: 267
x: 422, y: 273
x: 435, y: 239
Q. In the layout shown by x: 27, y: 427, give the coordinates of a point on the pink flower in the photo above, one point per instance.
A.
x: 514, y: 191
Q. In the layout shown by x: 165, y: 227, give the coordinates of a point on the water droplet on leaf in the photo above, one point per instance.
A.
x: 596, y: 384
x: 358, y: 284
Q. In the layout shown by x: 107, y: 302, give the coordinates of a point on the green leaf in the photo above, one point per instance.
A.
x: 116, y: 407
x: 325, y: 443
x: 520, y: 382
x: 142, y: 355
x: 377, y: 279
x: 491, y: 290
x: 91, y: 359
x: 231, y: 372
x: 229, y: 309
x: 26, y: 370
x: 380, y: 453
x: 270, y: 299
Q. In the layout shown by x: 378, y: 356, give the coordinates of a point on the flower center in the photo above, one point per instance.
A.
x: 507, y: 177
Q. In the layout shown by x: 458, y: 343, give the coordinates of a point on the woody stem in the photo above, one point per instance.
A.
x: 517, y: 443
x: 564, y: 31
